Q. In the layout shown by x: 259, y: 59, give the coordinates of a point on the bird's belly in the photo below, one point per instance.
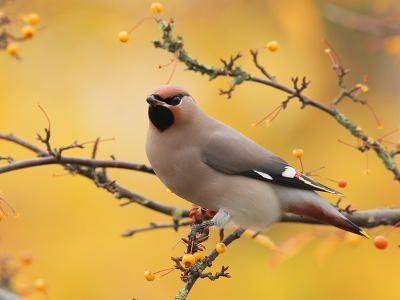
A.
x: 251, y: 203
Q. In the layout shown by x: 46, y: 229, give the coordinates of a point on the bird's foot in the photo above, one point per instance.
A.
x: 198, y: 234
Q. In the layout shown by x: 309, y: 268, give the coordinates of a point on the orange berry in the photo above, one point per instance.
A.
x: 25, y: 257
x: 199, y: 255
x: 12, y: 48
x: 32, y: 18
x: 123, y: 36
x: 40, y: 284
x: 380, y: 242
x: 342, y: 182
x: 297, y: 153
x: 272, y: 46
x: 220, y: 248
x: 188, y: 260
x: 149, y: 275
x: 211, y: 213
x: 27, y: 31
x: 156, y: 8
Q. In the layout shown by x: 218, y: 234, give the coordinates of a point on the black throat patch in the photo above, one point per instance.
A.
x: 161, y: 117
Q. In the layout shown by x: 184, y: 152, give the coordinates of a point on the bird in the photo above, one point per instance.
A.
x: 214, y: 166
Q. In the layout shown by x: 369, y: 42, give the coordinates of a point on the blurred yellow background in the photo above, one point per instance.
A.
x: 91, y: 85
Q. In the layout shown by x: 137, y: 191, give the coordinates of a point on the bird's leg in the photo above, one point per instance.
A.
x: 221, y: 234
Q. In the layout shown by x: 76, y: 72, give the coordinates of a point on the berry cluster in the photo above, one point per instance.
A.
x: 10, y: 42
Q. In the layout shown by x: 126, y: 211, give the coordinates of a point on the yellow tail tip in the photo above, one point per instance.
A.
x: 365, y: 234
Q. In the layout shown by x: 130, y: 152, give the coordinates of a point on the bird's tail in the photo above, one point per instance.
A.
x: 326, y: 213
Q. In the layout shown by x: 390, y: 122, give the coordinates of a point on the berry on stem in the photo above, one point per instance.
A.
x: 188, y: 260
x: 380, y: 242
x: 272, y: 46
x: 220, y: 248
x: 12, y: 48
x: 297, y: 153
x: 40, y: 284
x: 199, y: 255
x: 25, y: 258
x: 342, y: 182
x: 149, y: 275
x: 32, y: 18
x: 27, y: 31
x: 123, y: 36
x: 156, y: 8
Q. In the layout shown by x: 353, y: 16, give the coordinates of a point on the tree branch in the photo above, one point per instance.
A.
x: 171, y: 44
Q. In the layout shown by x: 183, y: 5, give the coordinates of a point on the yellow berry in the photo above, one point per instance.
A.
x: 380, y: 126
x: 27, y: 31
x: 156, y: 8
x: 123, y: 36
x: 40, y: 284
x: 327, y: 50
x: 199, y: 255
x: 220, y: 248
x: 297, y: 153
x: 149, y: 275
x: 392, y: 44
x: 364, y: 88
x: 272, y: 46
x: 188, y: 260
x: 358, y: 129
x: 32, y: 18
x: 367, y: 172
x: 370, y: 140
x: 12, y: 48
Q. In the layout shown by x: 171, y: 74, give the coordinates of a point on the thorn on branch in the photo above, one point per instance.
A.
x: 227, y: 92
x: 254, y: 53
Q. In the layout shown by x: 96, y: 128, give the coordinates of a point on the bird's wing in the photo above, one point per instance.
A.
x: 233, y: 153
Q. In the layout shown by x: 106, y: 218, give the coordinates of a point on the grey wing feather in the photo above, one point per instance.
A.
x: 233, y: 153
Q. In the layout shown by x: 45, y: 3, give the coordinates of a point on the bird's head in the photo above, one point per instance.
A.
x: 170, y: 105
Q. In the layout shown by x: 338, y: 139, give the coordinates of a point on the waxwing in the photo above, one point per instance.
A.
x: 216, y: 167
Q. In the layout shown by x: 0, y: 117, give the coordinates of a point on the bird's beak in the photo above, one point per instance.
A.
x: 154, y: 102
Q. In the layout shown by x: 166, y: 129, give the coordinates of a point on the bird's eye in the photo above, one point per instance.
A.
x: 176, y: 100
